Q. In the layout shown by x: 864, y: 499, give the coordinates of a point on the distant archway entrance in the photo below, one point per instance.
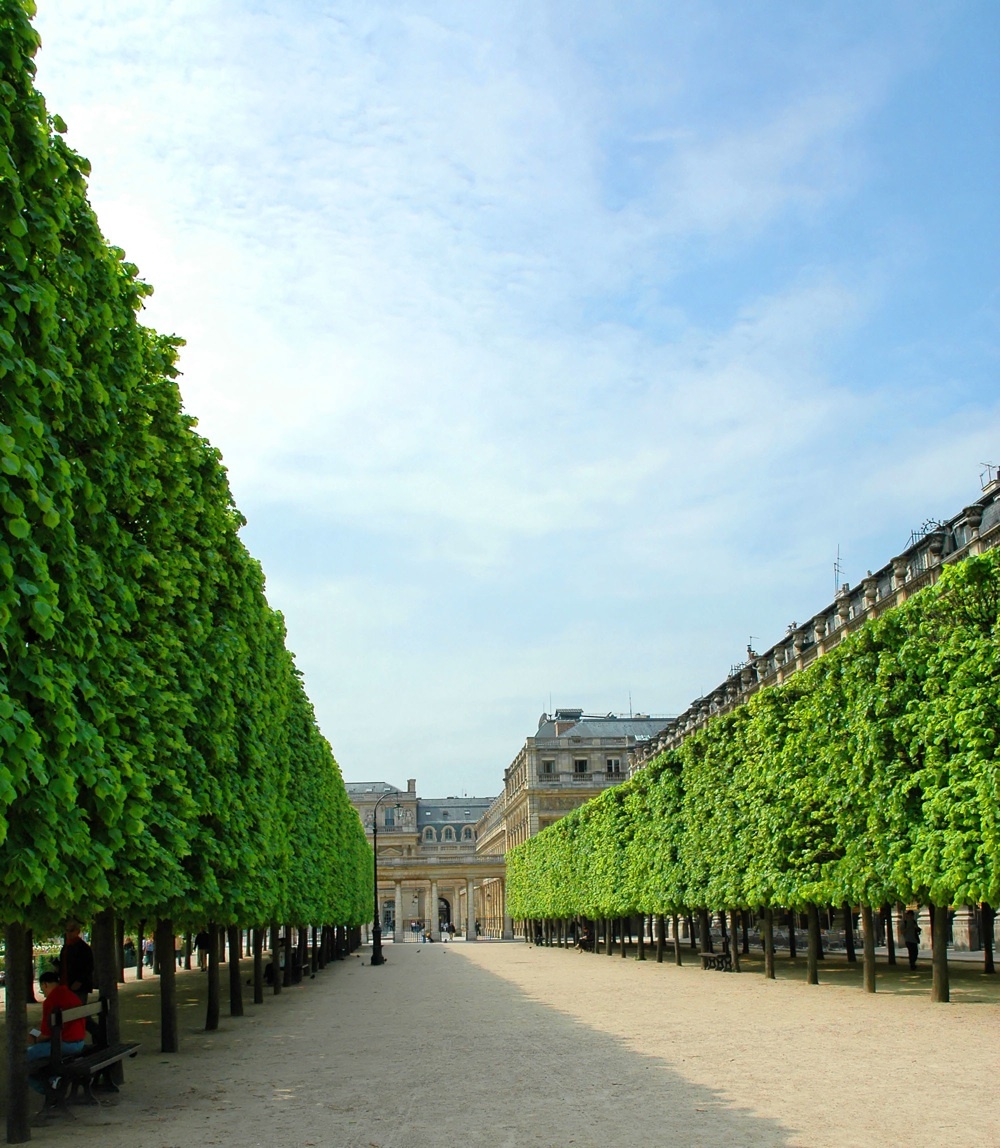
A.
x: 444, y: 911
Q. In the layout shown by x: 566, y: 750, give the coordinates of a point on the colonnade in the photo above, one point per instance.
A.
x: 477, y: 907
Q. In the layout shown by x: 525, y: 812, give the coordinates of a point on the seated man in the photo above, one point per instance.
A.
x: 39, y: 1051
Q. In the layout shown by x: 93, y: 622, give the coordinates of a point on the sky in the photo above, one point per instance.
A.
x: 555, y: 350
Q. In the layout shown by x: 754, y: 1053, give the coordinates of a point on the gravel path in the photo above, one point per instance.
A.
x: 504, y: 1045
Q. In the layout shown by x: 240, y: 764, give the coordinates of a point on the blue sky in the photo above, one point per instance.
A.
x: 554, y: 348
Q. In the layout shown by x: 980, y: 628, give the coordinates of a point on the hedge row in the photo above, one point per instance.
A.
x: 158, y: 754
x: 872, y: 776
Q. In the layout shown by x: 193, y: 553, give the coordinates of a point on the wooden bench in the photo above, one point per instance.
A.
x: 64, y: 1075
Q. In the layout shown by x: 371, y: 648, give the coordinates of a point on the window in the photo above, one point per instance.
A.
x: 548, y: 768
x: 390, y: 816
x: 467, y: 833
x: 449, y: 833
x: 429, y: 834
x: 580, y: 765
x: 614, y: 765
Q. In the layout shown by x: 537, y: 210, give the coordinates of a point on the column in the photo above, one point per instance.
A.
x: 900, y: 568
x: 470, y: 907
x: 508, y: 921
x: 435, y: 924
x: 397, y: 934
x: 924, y: 924
x: 965, y: 929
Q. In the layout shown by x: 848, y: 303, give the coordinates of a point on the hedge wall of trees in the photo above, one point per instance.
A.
x: 158, y: 755
x: 873, y: 776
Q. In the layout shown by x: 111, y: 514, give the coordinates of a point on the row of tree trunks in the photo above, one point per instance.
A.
x: 554, y: 932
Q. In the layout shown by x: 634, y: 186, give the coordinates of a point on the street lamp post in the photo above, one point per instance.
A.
x: 377, y: 958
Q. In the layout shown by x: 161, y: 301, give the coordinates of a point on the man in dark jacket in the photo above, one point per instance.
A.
x: 76, y: 963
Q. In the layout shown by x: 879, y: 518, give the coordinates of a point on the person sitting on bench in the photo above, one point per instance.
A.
x: 39, y: 1051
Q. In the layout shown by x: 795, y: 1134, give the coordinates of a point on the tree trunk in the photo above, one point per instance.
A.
x: 792, y: 948
x: 848, y: 913
x: 622, y: 923
x: 18, y: 976
x: 868, y: 943
x: 286, y: 976
x: 677, y: 941
x: 987, y: 917
x: 734, y: 946
x: 212, y: 1008
x: 745, y: 931
x: 890, y: 939
x: 258, y: 966
x: 812, y: 957
x: 692, y: 932
x: 187, y: 951
x: 609, y: 937
x: 661, y: 928
x: 104, y: 943
x: 235, y: 981
x: 940, y: 989
x: 304, y: 963
x: 163, y: 939
x: 314, y: 957
x: 769, y: 944
x: 140, y: 954
x: 704, y: 931
x: 120, y: 950
x: 641, y: 951
x: 275, y: 959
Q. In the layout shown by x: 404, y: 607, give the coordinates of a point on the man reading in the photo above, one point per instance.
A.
x: 40, y: 1049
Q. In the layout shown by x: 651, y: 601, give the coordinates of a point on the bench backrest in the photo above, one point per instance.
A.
x: 61, y: 1016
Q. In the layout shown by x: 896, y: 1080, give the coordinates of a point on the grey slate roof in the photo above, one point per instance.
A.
x: 454, y: 811
x: 604, y: 727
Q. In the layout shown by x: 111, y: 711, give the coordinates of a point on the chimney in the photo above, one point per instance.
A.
x: 411, y: 786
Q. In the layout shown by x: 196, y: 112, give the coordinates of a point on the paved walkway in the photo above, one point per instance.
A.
x: 508, y: 1045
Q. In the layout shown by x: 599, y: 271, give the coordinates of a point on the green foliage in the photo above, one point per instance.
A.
x: 157, y: 752
x: 873, y: 775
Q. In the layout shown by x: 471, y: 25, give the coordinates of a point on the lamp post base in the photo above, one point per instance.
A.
x: 377, y: 958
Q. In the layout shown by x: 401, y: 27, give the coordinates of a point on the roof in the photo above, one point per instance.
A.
x: 602, y: 726
x: 372, y: 787
x: 451, y: 810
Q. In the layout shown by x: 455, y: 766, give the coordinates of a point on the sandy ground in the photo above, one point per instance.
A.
x: 506, y: 1044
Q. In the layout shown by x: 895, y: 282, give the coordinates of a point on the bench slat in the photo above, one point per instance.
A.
x: 88, y: 1063
x: 83, y: 1010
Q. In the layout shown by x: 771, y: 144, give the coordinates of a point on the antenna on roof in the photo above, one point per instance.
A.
x: 837, y: 571
x: 630, y: 701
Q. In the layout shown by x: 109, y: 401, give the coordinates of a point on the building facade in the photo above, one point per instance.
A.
x: 429, y: 870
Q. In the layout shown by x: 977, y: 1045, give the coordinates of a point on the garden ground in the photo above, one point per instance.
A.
x: 505, y: 1044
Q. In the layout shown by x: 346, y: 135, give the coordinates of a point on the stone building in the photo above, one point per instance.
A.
x: 429, y: 869
x: 569, y: 759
